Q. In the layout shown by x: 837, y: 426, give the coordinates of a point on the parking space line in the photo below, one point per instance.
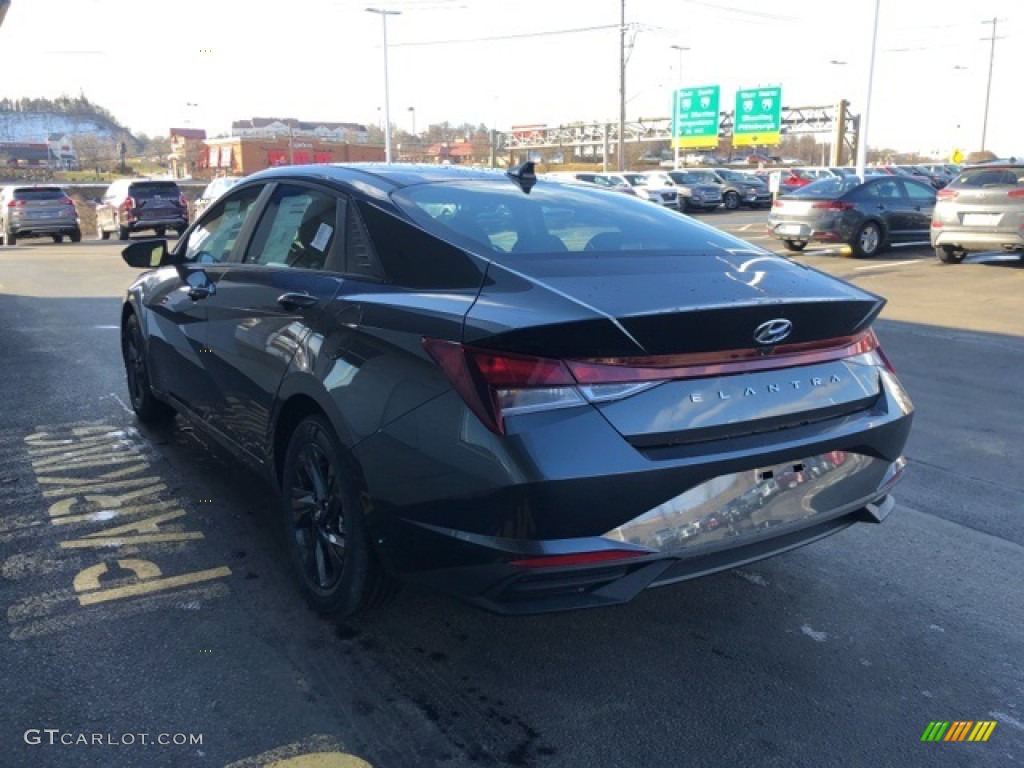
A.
x: 890, y: 264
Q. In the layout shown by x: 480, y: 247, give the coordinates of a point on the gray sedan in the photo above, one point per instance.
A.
x: 868, y: 215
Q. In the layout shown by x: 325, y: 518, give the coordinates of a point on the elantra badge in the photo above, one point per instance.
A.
x: 773, y: 331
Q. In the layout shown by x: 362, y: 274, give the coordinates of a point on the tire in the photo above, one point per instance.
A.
x: 947, y: 254
x: 868, y: 241
x: 123, y: 233
x: 76, y: 236
x: 101, y: 233
x: 160, y: 231
x: 323, y: 524
x: 58, y: 238
x: 148, y: 408
x: 731, y: 201
x: 12, y: 239
x: 794, y: 245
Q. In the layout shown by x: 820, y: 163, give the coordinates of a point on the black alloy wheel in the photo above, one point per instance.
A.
x: 324, y: 527
x: 147, y: 407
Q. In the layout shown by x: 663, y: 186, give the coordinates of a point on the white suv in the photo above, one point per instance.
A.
x: 653, y: 186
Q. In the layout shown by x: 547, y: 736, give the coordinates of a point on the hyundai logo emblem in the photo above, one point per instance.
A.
x: 773, y: 331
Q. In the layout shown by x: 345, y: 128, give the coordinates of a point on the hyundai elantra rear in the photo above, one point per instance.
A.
x: 544, y: 397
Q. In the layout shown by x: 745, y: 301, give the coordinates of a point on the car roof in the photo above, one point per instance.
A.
x: 381, y: 174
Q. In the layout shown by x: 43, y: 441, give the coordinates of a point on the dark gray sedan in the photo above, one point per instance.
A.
x: 537, y: 396
x: 868, y: 216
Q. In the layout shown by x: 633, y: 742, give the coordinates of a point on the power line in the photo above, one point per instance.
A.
x: 492, y: 38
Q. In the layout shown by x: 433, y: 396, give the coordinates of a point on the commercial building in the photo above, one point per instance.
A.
x: 240, y: 156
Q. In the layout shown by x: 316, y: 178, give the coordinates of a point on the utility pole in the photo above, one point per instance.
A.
x: 988, y: 89
x: 862, y: 128
x: 621, y: 159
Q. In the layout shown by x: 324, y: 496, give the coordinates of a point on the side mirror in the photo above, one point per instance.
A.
x: 147, y: 254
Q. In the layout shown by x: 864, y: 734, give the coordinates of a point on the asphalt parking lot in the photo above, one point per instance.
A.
x: 186, y: 622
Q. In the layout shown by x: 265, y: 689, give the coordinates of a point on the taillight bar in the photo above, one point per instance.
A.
x: 834, y: 205
x: 698, y: 365
x: 493, y: 383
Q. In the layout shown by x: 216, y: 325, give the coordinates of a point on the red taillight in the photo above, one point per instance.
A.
x: 128, y: 204
x: 16, y: 204
x: 1015, y: 193
x: 182, y: 200
x: 68, y: 201
x: 492, y: 383
x: 946, y: 194
x: 579, y: 558
x: 936, y: 224
x: 777, y: 204
x: 834, y: 205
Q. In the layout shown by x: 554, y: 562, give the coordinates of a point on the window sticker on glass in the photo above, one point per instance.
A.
x: 323, y: 236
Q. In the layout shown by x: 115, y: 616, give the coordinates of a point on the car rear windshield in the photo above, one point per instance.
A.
x: 979, y: 178
x: 39, y: 193
x: 168, y: 189
x: 552, y: 218
x: 827, y: 188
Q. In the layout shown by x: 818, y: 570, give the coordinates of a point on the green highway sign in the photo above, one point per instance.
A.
x: 695, y: 117
x: 758, y: 117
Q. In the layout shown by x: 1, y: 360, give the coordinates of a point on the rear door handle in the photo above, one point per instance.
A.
x: 297, y: 300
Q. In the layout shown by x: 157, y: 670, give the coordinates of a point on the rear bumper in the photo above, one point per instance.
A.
x: 460, y: 509
x: 171, y: 222
x: 30, y: 227
x: 973, y: 240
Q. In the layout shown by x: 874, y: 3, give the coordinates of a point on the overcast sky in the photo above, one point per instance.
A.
x: 322, y: 60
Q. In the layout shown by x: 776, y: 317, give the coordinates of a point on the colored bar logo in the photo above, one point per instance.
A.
x: 958, y: 730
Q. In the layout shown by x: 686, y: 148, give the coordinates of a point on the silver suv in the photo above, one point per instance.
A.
x: 982, y: 209
x: 39, y: 211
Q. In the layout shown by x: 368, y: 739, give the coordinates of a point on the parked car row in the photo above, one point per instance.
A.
x: 980, y: 209
x: 683, y: 190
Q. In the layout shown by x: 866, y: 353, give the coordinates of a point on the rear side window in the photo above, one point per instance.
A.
x: 39, y: 193
x: 979, y: 178
x: 414, y: 259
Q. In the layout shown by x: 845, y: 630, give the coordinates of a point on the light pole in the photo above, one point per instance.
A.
x: 384, y: 13
x: 412, y: 111
x: 675, y: 106
x: 862, y: 139
x: 988, y: 88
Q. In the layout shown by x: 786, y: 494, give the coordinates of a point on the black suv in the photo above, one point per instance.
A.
x: 132, y: 205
